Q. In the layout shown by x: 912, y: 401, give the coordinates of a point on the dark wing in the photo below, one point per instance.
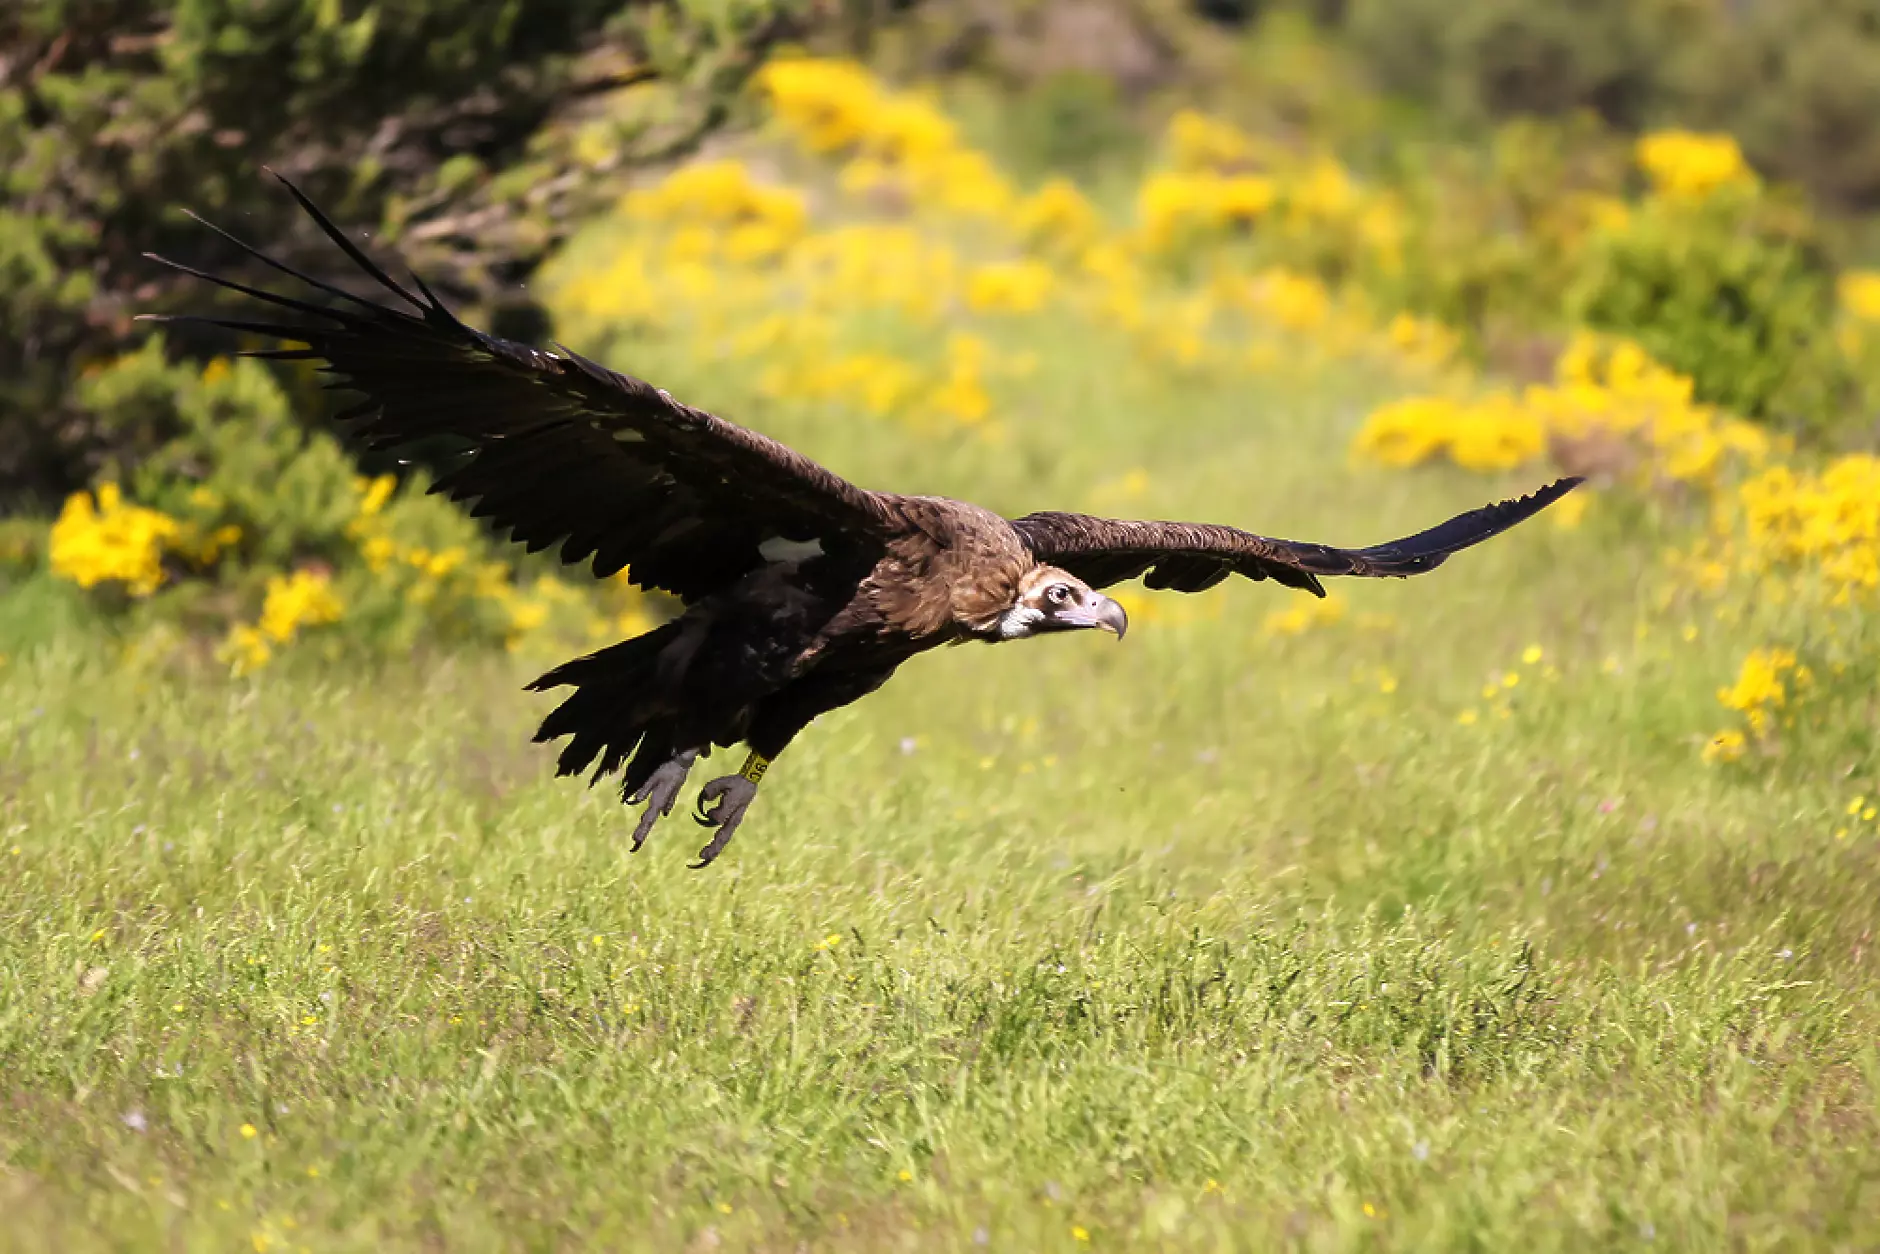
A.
x: 559, y: 449
x: 1192, y: 557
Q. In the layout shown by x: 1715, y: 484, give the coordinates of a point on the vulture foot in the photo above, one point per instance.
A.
x: 737, y: 792
x: 660, y: 793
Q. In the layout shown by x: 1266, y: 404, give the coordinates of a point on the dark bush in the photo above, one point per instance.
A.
x: 1496, y: 57
x: 1798, y: 83
x: 462, y: 128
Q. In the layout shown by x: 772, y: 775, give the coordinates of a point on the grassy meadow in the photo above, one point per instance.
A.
x: 1418, y: 924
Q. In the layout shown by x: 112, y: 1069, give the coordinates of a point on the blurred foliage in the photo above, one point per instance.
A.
x: 872, y: 264
x: 470, y: 131
x: 1734, y: 291
x: 1797, y: 82
x: 254, y: 527
x: 1491, y: 58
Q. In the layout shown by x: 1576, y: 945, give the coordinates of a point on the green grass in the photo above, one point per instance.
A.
x: 1203, y: 941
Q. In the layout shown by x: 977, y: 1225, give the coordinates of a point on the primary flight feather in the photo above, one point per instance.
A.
x: 802, y: 592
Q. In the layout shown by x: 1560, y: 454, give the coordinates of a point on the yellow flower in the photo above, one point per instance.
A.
x: 1009, y: 287
x: 111, y: 541
x: 1532, y: 654
x: 305, y: 598
x: 1570, y: 510
x: 374, y: 493
x: 246, y: 650
x: 1305, y: 616
x: 1859, y: 291
x: 1688, y: 164
x: 1056, y: 214
x: 248, y: 1132
x: 1725, y: 746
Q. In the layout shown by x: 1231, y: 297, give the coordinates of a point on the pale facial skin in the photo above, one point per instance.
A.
x: 1050, y: 600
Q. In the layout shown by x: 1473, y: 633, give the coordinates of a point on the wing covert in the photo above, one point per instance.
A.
x: 560, y: 450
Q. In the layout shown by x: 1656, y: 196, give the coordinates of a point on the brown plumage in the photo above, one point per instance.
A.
x: 802, y: 592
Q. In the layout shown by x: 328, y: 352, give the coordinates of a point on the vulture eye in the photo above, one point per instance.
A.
x: 1058, y: 593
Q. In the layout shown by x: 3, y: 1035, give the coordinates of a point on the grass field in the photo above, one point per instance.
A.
x: 1216, y: 939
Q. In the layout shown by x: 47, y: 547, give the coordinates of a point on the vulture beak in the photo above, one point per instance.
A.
x: 1097, y: 610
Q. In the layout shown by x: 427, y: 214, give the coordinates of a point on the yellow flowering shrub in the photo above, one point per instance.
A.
x: 1821, y: 525
x: 1009, y: 287
x: 303, y: 599
x: 107, y: 540
x: 1859, y: 293
x: 1057, y: 217
x: 1606, y: 392
x: 896, y: 142
x: 1692, y: 164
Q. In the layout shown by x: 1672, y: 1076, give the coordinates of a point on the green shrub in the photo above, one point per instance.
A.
x: 467, y: 129
x: 1494, y: 57
x: 1798, y: 83
x: 1732, y: 290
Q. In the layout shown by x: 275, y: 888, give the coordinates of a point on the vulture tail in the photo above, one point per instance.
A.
x: 618, y: 699
x: 1426, y: 549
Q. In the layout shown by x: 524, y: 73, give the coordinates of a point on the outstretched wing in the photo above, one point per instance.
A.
x: 1192, y: 557
x: 560, y: 449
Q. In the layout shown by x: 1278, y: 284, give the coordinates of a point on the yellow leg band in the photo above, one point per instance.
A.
x: 754, y: 768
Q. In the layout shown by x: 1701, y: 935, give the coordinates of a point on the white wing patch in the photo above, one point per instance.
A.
x: 778, y: 549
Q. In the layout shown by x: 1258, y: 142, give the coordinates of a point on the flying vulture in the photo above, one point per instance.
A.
x: 801, y: 591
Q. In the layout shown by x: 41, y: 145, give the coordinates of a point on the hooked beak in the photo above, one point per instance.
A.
x: 1097, y: 610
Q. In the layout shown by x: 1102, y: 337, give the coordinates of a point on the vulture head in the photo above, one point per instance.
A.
x: 1050, y: 599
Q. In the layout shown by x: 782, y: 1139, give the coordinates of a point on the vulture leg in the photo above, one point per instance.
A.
x: 660, y: 793
x: 734, y: 794
x: 776, y: 724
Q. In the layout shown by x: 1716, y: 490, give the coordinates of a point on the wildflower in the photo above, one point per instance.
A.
x: 374, y: 493
x: 1570, y: 511
x: 1304, y: 617
x: 1057, y: 214
x: 1011, y: 287
x: 111, y: 541
x: 1725, y: 746
x: 1079, y: 1233
x: 1687, y: 164
x: 1469, y: 717
x: 249, y: 1132
x: 1760, y: 686
x: 245, y: 650
x: 1532, y: 655
x: 1859, y: 291
x: 302, y: 599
